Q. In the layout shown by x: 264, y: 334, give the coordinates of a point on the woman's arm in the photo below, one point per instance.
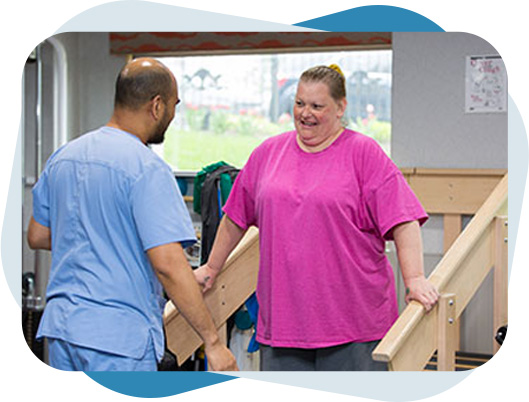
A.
x: 408, y: 242
x: 228, y: 236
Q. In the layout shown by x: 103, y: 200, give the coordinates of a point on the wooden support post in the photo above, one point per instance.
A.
x: 501, y: 276
x: 446, y: 331
x: 452, y: 229
x: 452, y: 226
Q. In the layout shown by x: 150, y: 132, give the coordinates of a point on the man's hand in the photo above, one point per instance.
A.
x: 220, y: 358
x: 421, y: 290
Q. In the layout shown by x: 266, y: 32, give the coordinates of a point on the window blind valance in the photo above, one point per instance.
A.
x: 177, y: 43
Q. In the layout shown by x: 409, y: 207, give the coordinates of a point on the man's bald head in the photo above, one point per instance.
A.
x: 140, y: 81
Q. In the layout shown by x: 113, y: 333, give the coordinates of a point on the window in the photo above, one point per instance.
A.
x: 231, y: 103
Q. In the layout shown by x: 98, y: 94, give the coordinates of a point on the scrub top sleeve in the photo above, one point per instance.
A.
x: 41, y: 200
x: 159, y: 210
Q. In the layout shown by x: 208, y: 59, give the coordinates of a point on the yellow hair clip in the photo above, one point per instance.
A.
x: 338, y: 69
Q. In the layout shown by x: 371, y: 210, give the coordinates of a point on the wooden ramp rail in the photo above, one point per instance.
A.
x: 234, y: 284
x: 415, y: 336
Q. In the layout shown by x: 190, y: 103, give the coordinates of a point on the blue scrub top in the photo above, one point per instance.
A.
x: 107, y: 198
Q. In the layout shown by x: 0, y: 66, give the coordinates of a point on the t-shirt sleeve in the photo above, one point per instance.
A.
x: 393, y: 203
x: 159, y: 210
x: 389, y: 198
x: 41, y: 200
x: 240, y: 206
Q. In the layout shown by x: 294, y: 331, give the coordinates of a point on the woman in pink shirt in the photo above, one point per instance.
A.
x: 325, y: 200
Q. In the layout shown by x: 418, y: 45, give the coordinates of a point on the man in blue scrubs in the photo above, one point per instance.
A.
x: 111, y: 213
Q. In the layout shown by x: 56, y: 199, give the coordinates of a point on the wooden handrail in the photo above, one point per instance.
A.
x: 410, y: 342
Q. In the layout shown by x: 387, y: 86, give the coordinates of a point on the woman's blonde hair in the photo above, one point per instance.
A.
x: 331, y: 75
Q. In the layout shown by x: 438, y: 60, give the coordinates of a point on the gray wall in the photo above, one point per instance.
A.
x: 430, y: 129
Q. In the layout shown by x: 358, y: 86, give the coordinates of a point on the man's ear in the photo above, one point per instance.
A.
x: 157, y: 107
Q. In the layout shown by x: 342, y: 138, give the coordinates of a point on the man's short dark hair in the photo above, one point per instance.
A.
x: 134, y: 90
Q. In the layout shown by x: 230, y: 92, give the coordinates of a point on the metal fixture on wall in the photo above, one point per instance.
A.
x: 60, y: 98
x: 44, y: 126
x: 32, y: 303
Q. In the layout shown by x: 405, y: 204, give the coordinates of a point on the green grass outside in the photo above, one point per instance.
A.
x: 194, y: 149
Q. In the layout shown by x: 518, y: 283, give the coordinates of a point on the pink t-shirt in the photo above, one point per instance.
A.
x: 323, y: 219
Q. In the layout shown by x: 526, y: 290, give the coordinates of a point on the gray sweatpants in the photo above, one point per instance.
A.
x: 347, y: 357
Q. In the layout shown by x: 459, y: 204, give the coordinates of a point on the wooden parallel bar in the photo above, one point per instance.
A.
x: 411, y: 341
x: 413, y: 338
x: 234, y: 284
x: 473, y: 269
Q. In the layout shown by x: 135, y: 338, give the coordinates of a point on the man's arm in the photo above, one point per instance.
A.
x: 408, y: 242
x: 39, y: 236
x: 176, y: 276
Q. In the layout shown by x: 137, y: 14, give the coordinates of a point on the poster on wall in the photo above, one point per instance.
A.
x: 486, y: 85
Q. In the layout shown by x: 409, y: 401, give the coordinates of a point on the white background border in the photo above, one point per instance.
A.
x: 26, y: 23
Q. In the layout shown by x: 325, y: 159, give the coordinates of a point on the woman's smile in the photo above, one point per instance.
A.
x: 317, y: 116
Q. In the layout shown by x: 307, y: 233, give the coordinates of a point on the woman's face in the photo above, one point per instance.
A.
x: 317, y: 116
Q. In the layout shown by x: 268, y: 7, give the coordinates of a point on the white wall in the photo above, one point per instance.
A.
x: 92, y: 73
